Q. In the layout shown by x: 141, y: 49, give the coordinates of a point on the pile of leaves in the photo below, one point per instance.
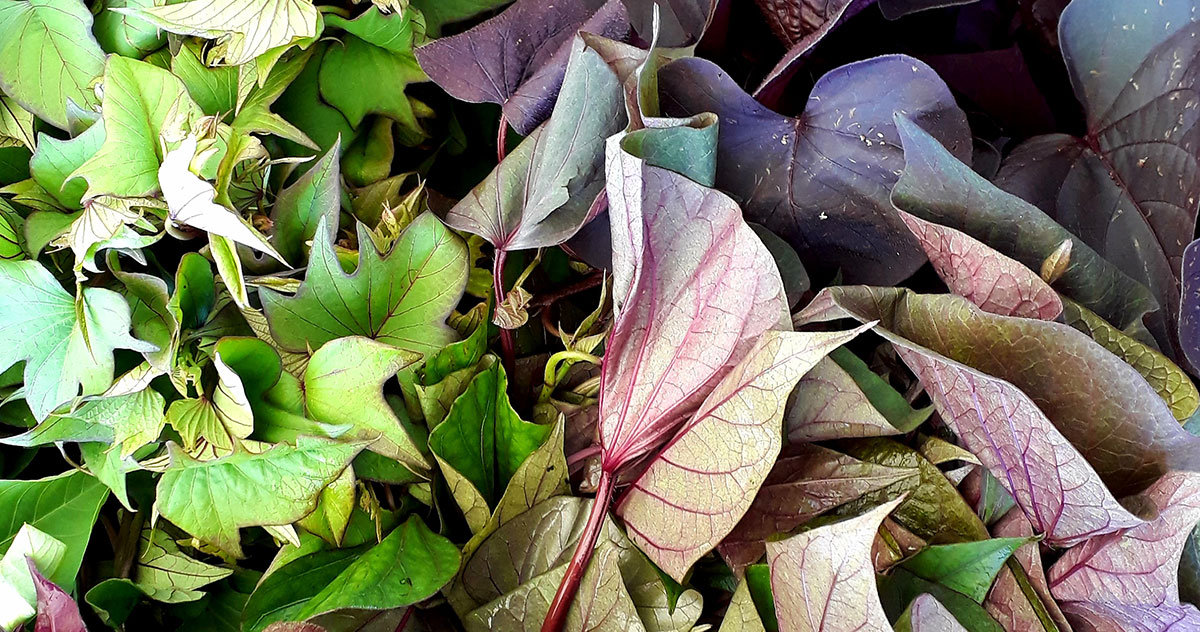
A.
x: 599, y: 315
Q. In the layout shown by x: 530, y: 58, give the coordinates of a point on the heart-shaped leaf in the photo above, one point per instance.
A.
x: 834, y: 211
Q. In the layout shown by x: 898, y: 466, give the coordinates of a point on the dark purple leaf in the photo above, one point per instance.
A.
x: 517, y: 59
x: 1189, y: 308
x: 822, y: 181
x: 56, y: 611
x: 1129, y: 188
x: 800, y: 24
x: 806, y: 482
x: 997, y: 83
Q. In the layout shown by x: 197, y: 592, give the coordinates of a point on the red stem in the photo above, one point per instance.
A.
x: 506, y: 339
x: 557, y: 615
x: 502, y: 139
x: 585, y: 453
x: 404, y: 619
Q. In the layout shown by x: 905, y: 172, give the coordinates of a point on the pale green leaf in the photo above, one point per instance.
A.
x: 16, y: 125
x: 334, y: 507
x: 56, y: 159
x: 165, y: 574
x: 18, y: 597
x: 64, y: 507
x: 213, y: 499
x: 127, y: 35
x: 48, y: 55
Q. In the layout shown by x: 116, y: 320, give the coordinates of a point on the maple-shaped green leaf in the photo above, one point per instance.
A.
x: 401, y: 299
x: 245, y: 28
x: 48, y: 55
x: 165, y: 574
x: 482, y: 442
x: 213, y: 499
x: 344, y: 385
x: 141, y: 101
x: 66, y: 342
x: 300, y: 207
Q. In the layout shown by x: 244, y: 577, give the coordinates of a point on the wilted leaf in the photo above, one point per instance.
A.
x: 823, y: 579
x: 937, y: 187
x: 37, y: 317
x: 213, y: 499
x: 354, y: 369
x: 699, y: 486
x: 983, y: 276
x: 245, y: 28
x: 1129, y: 188
x: 48, y: 55
x: 401, y: 299
x: 822, y: 181
x: 518, y: 58
x: 806, y: 482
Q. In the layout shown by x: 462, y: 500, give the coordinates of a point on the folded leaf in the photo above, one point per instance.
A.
x: 927, y: 614
x: 983, y: 276
x: 1057, y: 488
x: 48, y: 56
x: 1020, y: 598
x: 244, y: 30
x: 344, y: 385
x: 699, y: 486
x: 937, y: 187
x: 542, y: 192
x: 213, y: 499
x: 141, y: 104
x: 804, y: 483
x: 822, y: 181
x: 1128, y: 188
x: 517, y: 59
x: 66, y: 342
x: 57, y: 612
x: 823, y: 579
x: 402, y: 299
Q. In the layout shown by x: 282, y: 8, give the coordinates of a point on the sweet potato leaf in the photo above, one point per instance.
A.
x: 822, y: 181
x: 57, y: 612
x: 401, y: 299
x: 721, y: 456
x: 983, y: 276
x: 823, y: 579
x: 927, y: 614
x: 1020, y: 598
x: 964, y: 567
x: 805, y: 482
x: 56, y: 159
x: 518, y: 58
x: 303, y: 205
x: 63, y: 507
x: 1129, y: 187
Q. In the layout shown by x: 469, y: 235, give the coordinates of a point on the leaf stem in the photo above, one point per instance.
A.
x: 585, y: 453
x: 502, y: 139
x: 557, y: 615
x: 553, y: 373
x: 506, y: 338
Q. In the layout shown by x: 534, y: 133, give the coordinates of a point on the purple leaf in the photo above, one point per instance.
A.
x: 1140, y: 566
x: 828, y: 404
x: 1100, y: 617
x: 927, y: 614
x: 823, y: 580
x: 1007, y: 602
x: 822, y: 181
x: 1128, y: 188
x: 806, y: 481
x: 983, y: 276
x: 1189, y: 309
x: 800, y: 24
x: 700, y: 485
x: 518, y: 58
x: 999, y: 83
x: 1051, y: 481
x: 56, y: 611
x: 680, y: 22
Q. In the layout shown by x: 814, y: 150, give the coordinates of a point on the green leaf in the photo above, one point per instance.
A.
x: 113, y: 600
x: 141, y: 102
x: 301, y: 104
x: 246, y: 28
x: 441, y: 12
x: 344, y: 385
x: 109, y: 467
x: 328, y: 521
x: 165, y: 574
x: 126, y: 35
x: 18, y: 596
x: 64, y: 507
x: 10, y: 233
x: 300, y: 208
x: 195, y: 292
x: 150, y: 314
x: 967, y: 567
x: 882, y: 396
x: 48, y: 55
x: 899, y: 588
x: 378, y: 46
x: 409, y: 565
x: 216, y: 426
x: 213, y: 499
x: 16, y: 125
x: 288, y: 588
x: 215, y: 90
x: 482, y: 442
x: 401, y: 300
x: 67, y: 344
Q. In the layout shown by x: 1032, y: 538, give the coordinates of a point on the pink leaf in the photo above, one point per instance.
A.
x: 927, y: 614
x: 806, y: 482
x: 828, y: 404
x: 974, y: 271
x: 1087, y: 616
x: 1006, y: 602
x: 701, y: 484
x: 823, y: 580
x: 1139, y: 566
x: 56, y: 611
